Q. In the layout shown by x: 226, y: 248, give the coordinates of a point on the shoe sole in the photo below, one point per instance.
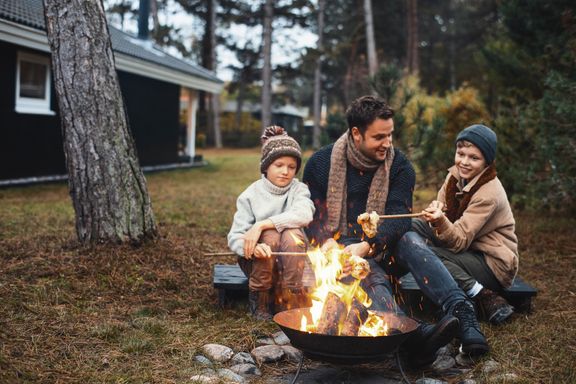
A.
x: 443, y: 336
x: 501, y: 315
x: 475, y: 350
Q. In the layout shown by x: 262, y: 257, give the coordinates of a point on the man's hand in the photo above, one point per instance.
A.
x: 262, y: 251
x: 361, y: 249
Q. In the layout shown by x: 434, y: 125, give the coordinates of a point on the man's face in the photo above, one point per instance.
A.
x: 376, y: 140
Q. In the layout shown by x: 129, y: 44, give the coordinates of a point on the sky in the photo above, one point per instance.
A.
x: 291, y: 41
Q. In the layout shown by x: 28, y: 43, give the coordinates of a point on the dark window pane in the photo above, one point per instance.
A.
x: 32, y: 80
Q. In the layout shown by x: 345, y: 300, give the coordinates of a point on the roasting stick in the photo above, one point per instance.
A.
x: 402, y: 215
x: 273, y: 254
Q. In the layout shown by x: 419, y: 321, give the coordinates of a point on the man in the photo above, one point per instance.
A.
x: 360, y: 173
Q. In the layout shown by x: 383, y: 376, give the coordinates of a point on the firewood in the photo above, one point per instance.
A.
x: 355, y: 318
x: 333, y: 313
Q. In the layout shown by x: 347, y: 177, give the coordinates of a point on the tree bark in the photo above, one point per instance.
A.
x: 412, y: 61
x: 214, y: 98
x: 318, y: 77
x: 267, y: 69
x: 370, y: 42
x: 107, y: 187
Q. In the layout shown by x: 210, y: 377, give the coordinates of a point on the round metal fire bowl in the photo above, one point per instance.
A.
x: 344, y: 349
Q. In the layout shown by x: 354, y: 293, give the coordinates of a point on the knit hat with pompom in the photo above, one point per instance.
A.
x: 276, y: 143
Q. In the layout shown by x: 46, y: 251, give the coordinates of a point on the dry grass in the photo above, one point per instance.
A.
x: 139, y: 314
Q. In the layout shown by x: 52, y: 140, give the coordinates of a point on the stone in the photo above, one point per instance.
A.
x: 267, y: 353
x: 467, y: 381
x: 227, y: 374
x: 443, y: 363
x: 217, y: 352
x: 465, y: 360
x: 427, y: 380
x: 264, y: 341
x: 447, y: 350
x: 205, y: 379
x: 505, y: 378
x: 280, y: 338
x: 202, y: 360
x: 490, y: 366
x: 242, y: 358
x: 292, y: 354
x: 246, y: 370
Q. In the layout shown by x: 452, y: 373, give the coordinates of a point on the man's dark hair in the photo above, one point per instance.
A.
x: 364, y: 110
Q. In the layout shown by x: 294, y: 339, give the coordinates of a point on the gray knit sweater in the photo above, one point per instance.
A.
x: 287, y: 207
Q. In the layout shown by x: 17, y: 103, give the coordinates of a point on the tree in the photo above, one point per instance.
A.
x: 267, y: 68
x: 412, y: 46
x: 370, y: 42
x: 318, y: 76
x: 107, y: 186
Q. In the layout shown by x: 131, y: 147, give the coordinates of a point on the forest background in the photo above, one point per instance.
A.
x: 441, y: 64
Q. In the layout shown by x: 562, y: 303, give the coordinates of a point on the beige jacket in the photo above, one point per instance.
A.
x: 487, y: 225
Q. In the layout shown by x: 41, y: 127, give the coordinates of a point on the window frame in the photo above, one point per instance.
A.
x: 30, y: 105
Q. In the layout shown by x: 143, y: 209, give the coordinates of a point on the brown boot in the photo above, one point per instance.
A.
x: 260, y: 303
x: 493, y: 308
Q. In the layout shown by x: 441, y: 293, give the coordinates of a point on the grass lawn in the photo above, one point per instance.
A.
x: 139, y: 314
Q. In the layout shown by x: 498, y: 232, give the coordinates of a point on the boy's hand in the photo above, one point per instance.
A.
x: 251, y: 239
x: 262, y: 251
x: 361, y: 249
x: 434, y: 212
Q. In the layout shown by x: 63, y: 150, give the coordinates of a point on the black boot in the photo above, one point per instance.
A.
x: 421, y: 348
x: 473, y: 341
x: 260, y: 303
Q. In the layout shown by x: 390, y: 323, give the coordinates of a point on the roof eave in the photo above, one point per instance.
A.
x: 33, y: 38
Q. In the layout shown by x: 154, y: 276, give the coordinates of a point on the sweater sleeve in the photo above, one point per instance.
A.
x: 243, y: 221
x: 299, y: 211
x: 458, y: 236
x: 317, y: 180
x: 399, y: 201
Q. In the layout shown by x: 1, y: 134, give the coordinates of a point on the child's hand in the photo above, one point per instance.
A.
x: 262, y: 251
x: 251, y: 239
x: 361, y: 249
x: 434, y: 212
x: 328, y: 245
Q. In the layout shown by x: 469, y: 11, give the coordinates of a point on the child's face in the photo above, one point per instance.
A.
x: 282, y: 171
x: 468, y: 160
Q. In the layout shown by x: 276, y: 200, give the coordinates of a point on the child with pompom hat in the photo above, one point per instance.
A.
x: 270, y: 217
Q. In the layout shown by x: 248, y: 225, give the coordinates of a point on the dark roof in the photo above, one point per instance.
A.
x: 31, y: 14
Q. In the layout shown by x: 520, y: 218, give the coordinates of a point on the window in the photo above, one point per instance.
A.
x: 33, y: 84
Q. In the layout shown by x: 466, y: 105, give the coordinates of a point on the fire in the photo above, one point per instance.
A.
x: 338, y: 301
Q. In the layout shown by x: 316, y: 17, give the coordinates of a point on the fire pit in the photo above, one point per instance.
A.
x: 345, y: 349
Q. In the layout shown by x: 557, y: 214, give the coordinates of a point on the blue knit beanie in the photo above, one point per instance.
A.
x: 482, y: 137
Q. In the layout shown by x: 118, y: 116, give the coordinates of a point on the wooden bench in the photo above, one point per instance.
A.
x: 519, y: 295
x: 231, y: 284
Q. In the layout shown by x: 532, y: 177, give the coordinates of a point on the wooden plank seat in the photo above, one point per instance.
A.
x: 519, y: 295
x: 231, y: 284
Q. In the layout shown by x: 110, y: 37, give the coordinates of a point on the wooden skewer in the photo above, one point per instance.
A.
x: 400, y: 216
x: 273, y: 254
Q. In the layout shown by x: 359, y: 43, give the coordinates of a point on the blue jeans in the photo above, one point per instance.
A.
x: 413, y: 255
x: 379, y: 289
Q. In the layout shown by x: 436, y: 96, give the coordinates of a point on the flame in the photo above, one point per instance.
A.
x: 297, y: 241
x: 328, y: 269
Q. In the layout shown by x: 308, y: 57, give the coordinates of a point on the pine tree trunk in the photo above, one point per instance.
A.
x: 412, y: 40
x: 318, y: 77
x: 370, y: 42
x: 107, y: 187
x: 267, y: 69
x: 214, y: 97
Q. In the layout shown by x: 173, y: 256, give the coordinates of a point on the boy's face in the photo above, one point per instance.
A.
x: 376, y: 140
x: 468, y: 160
x: 282, y: 171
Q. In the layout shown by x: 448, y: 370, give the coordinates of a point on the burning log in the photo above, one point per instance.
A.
x: 355, y: 318
x: 333, y: 313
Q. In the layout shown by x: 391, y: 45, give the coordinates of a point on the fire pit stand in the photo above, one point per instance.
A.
x: 346, y: 349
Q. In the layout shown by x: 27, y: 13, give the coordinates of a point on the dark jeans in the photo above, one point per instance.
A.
x: 415, y: 256
x: 379, y: 289
x: 467, y: 267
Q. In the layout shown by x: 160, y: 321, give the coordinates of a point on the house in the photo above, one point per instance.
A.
x: 160, y: 93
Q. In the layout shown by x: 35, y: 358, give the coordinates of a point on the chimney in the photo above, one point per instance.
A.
x: 143, y: 15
